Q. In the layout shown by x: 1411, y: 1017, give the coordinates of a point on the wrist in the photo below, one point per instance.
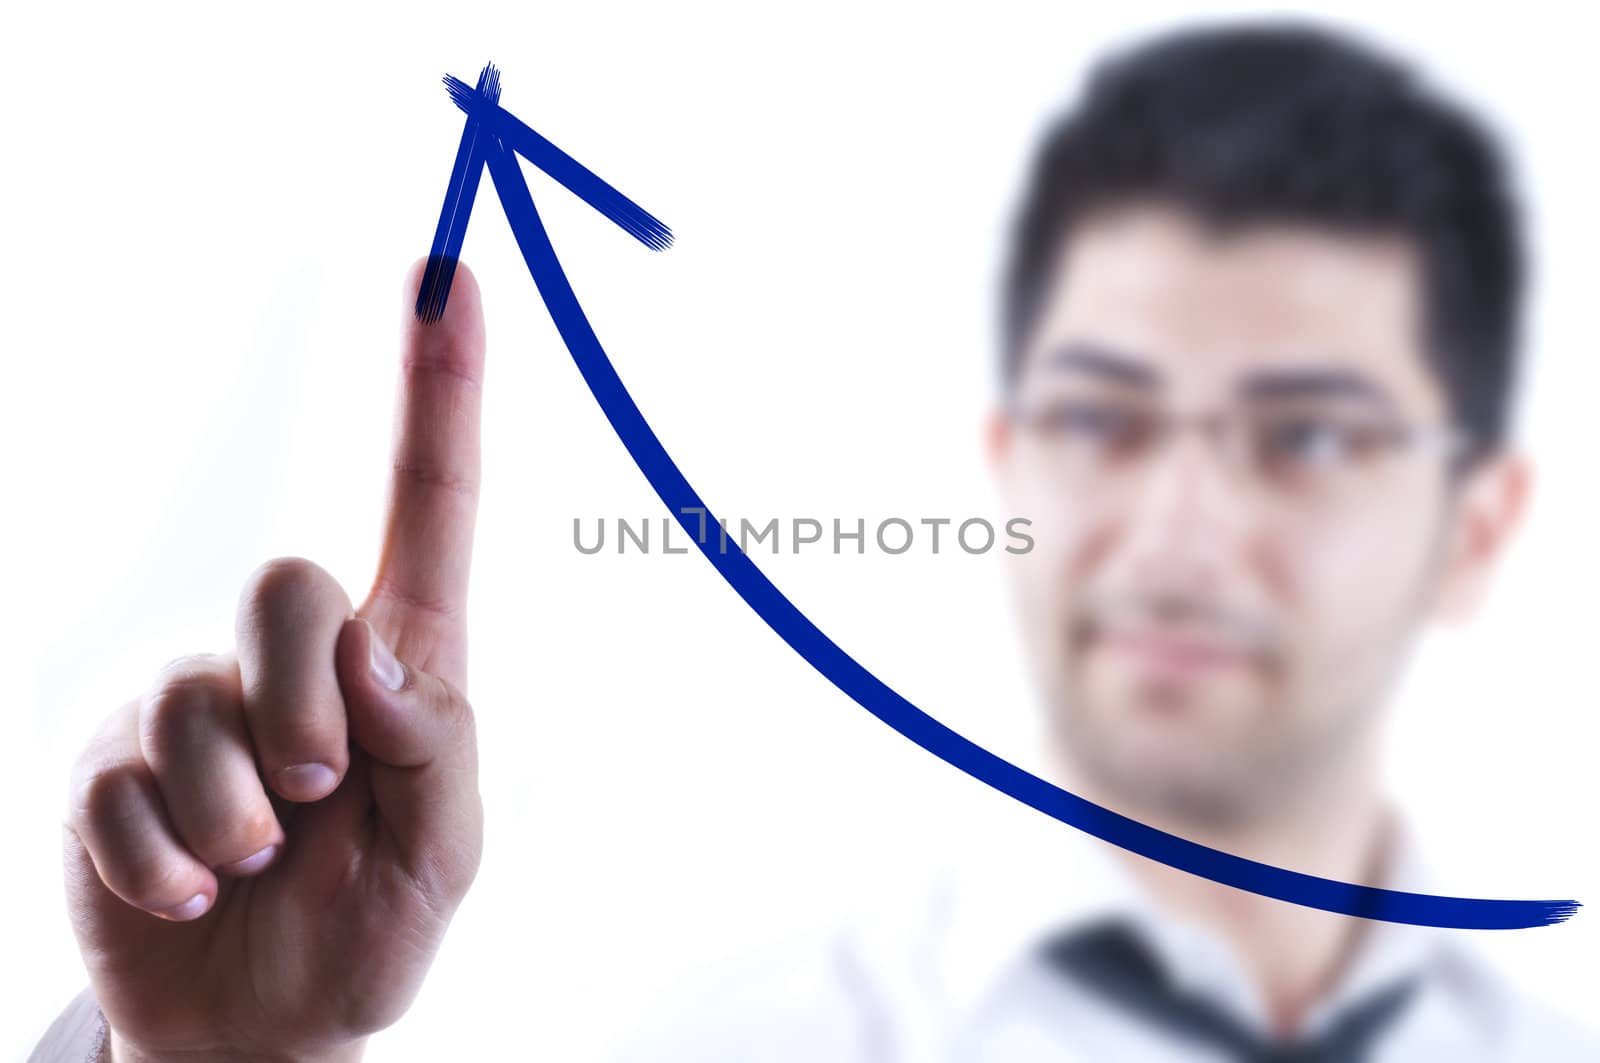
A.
x: 119, y: 1050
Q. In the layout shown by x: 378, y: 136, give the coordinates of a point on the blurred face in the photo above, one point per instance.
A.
x: 1235, y: 460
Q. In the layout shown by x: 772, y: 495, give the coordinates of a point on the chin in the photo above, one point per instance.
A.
x: 1178, y: 792
x: 1168, y: 757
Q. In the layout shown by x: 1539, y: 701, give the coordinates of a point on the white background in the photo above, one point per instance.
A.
x: 208, y: 214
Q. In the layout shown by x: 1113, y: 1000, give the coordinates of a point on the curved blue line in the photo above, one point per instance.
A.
x: 883, y: 702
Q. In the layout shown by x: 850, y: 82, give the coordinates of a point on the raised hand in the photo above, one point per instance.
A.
x: 263, y: 851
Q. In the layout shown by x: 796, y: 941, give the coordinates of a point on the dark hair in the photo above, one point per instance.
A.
x: 1285, y: 121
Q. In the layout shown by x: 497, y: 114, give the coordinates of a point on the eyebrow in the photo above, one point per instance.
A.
x: 1265, y: 384
x: 1313, y: 384
x: 1104, y: 363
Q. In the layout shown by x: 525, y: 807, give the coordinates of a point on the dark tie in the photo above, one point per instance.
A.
x: 1110, y: 959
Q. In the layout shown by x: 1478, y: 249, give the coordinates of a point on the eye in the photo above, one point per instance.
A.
x: 1114, y: 427
x: 1304, y: 440
x: 1315, y: 441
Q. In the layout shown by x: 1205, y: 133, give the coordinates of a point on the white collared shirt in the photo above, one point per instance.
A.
x: 952, y: 973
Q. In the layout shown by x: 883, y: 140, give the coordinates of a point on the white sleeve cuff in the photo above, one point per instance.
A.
x: 77, y: 1036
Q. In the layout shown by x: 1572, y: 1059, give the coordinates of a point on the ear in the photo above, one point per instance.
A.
x: 1487, y: 511
x: 997, y: 439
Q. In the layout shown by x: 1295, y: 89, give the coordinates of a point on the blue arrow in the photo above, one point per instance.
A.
x: 493, y: 137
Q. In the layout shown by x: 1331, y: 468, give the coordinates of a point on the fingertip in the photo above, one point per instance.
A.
x: 310, y: 781
x: 419, y: 269
x: 253, y: 864
x: 401, y: 715
x: 462, y: 315
x: 370, y: 695
x: 364, y: 658
x: 189, y: 910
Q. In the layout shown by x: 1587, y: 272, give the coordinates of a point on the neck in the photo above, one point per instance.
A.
x: 1335, y: 826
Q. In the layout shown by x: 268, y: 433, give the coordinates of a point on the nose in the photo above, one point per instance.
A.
x: 1184, y: 522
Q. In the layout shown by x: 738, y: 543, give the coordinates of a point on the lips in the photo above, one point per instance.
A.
x: 1167, y: 654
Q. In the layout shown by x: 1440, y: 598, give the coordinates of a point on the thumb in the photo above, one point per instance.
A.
x: 418, y: 729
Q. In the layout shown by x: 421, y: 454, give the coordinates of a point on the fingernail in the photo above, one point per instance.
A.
x: 188, y: 910
x: 306, y: 782
x: 252, y: 863
x: 385, y: 668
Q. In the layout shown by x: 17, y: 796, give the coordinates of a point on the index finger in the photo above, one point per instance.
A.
x: 418, y: 600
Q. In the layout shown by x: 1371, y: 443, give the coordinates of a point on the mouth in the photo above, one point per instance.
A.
x: 1170, y: 656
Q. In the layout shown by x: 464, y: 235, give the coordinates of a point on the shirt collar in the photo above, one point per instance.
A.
x: 1020, y: 881
x: 1028, y: 877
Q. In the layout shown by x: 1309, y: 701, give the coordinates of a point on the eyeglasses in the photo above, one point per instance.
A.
x: 1301, y: 453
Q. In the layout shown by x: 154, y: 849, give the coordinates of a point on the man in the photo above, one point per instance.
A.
x: 1261, y: 316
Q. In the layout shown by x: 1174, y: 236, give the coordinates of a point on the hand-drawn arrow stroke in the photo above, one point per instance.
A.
x: 493, y: 137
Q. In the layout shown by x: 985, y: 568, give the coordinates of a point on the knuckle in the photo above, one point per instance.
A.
x: 446, y: 867
x: 105, y: 796
x: 152, y: 883
x: 188, y: 666
x: 110, y: 749
x: 442, y: 609
x: 310, y: 726
x: 181, y: 703
x: 455, y: 710
x: 432, y: 474
x: 447, y: 364
x: 282, y: 583
x: 235, y: 838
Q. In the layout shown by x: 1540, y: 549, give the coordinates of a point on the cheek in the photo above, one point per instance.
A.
x: 1355, y: 586
x: 1048, y: 577
x: 1062, y: 533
